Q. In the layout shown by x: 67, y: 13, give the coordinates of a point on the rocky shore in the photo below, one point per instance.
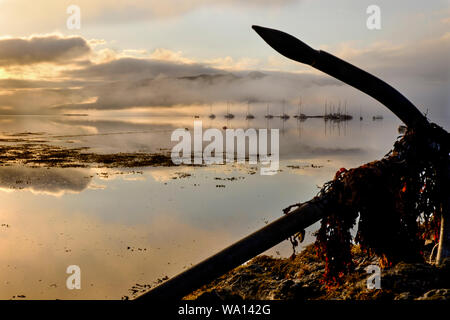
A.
x: 268, y: 278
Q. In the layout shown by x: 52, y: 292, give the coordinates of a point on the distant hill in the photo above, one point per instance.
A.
x: 211, y: 78
x: 256, y: 75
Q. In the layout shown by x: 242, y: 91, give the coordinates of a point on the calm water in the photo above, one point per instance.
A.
x: 128, y: 226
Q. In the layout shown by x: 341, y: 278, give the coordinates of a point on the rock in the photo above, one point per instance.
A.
x: 301, y: 277
x: 436, y: 294
x: 219, y: 295
x: 405, y: 296
x: 410, y: 277
x: 445, y: 265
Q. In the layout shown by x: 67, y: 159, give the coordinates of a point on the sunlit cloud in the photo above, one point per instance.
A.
x: 169, y: 55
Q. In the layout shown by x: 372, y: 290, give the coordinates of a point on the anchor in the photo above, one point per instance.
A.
x: 308, y: 213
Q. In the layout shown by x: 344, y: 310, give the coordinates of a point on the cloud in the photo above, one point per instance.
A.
x: 37, y: 84
x: 108, y: 80
x: 167, y: 78
x: 169, y: 55
x: 138, y: 68
x: 39, y: 49
x: 52, y: 14
x: 168, y: 89
x: 427, y: 59
x: 230, y: 63
x: 173, y: 79
x: 420, y: 70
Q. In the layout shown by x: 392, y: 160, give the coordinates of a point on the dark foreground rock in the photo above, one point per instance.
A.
x: 267, y: 278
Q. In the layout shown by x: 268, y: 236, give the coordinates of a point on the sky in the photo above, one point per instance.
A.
x: 139, y: 55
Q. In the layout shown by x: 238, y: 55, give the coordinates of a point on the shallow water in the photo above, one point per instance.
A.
x: 133, y: 226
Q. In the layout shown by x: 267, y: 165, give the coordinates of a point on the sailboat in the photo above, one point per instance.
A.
x: 377, y: 117
x: 345, y: 116
x: 249, y: 115
x: 268, y: 115
x: 211, y: 115
x: 229, y: 115
x: 300, y: 115
x: 284, y: 116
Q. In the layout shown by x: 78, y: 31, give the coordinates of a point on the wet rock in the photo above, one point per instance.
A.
x: 436, y: 294
x: 404, y: 296
x: 40, y: 154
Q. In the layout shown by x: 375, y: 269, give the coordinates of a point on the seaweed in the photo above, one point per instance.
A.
x: 395, y: 203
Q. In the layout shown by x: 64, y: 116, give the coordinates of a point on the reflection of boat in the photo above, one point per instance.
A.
x: 211, y: 115
x: 249, y: 115
x: 229, y: 115
x: 378, y: 117
x: 337, y: 116
x: 268, y: 115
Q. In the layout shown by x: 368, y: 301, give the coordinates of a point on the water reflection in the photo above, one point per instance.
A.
x: 54, y: 181
x: 124, y: 227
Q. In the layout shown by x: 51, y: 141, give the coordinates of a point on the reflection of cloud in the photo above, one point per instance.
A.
x: 322, y: 168
x: 53, y: 181
x: 38, y: 100
x: 96, y: 187
x: 44, y: 239
x: 328, y: 151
